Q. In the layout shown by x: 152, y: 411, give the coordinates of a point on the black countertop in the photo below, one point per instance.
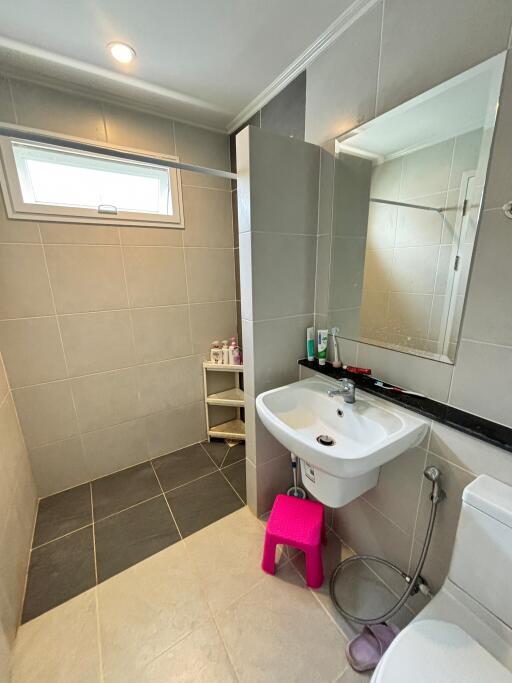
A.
x: 491, y: 432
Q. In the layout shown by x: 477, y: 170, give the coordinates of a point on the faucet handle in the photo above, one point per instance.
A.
x: 347, y: 383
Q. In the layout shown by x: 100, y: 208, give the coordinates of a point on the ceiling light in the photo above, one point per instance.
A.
x: 122, y: 52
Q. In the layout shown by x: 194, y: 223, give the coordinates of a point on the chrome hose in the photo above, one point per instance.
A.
x: 433, y: 475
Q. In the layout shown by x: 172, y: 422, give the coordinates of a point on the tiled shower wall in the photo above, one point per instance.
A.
x: 18, y: 502
x: 103, y: 329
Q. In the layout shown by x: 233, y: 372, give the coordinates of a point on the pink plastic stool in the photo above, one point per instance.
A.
x: 299, y: 523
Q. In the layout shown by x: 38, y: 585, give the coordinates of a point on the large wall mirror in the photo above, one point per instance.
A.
x: 407, y: 194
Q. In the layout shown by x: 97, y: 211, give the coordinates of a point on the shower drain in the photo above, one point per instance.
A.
x: 325, y: 440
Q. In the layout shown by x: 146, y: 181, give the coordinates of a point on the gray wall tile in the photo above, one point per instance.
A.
x: 208, y: 220
x: 155, y: 276
x: 437, y: 40
x: 115, y: 448
x: 59, y: 466
x: 210, y: 274
x: 161, y: 333
x: 285, y: 114
x: 342, y: 82
x: 170, y: 384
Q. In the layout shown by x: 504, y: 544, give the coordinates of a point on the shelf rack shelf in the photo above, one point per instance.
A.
x: 232, y: 430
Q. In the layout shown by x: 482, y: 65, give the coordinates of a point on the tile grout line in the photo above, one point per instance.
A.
x: 58, y: 538
x: 166, y: 501
x: 220, y: 470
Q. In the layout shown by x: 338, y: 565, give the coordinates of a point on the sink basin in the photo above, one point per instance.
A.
x: 341, y: 446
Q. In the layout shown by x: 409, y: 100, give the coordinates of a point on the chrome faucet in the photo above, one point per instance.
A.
x: 347, y: 390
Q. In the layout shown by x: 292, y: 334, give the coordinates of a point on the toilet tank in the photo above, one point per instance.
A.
x: 482, y: 556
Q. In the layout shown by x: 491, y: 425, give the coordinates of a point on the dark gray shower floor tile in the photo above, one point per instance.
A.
x: 202, y: 502
x: 235, y: 454
x: 62, y: 513
x: 182, y: 467
x: 123, y: 489
x: 217, y: 450
x: 58, y: 571
x: 235, y: 474
x: 130, y: 536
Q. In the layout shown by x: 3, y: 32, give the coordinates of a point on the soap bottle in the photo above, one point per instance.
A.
x: 215, y: 353
x: 234, y: 352
x: 225, y: 352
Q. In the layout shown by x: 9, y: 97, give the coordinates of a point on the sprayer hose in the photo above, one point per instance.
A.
x: 412, y: 580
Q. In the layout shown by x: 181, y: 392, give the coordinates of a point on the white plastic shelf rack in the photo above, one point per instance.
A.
x: 233, y: 430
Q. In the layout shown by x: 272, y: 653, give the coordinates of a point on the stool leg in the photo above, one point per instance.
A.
x: 314, y: 567
x: 268, y: 563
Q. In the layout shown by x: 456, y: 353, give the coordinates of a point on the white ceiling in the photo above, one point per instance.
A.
x: 202, y: 60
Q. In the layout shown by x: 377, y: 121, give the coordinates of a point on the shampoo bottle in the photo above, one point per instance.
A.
x: 216, y: 353
x: 322, y: 346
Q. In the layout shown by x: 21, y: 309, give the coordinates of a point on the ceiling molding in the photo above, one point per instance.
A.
x: 24, y: 50
x: 338, y: 26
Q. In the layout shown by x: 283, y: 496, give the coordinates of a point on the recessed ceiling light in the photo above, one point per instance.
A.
x: 122, y: 52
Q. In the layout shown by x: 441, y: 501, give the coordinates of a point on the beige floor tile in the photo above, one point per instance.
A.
x: 60, y: 646
x: 351, y: 676
x: 278, y: 632
x: 228, y: 556
x: 147, y: 609
x: 199, y: 658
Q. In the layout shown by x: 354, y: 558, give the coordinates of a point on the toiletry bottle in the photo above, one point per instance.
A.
x: 225, y: 352
x: 322, y: 346
x: 216, y: 353
x: 310, y: 343
x: 234, y: 352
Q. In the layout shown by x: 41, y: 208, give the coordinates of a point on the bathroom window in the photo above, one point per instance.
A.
x: 58, y: 183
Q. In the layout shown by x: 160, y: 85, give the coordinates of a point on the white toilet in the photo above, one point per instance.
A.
x: 465, y: 634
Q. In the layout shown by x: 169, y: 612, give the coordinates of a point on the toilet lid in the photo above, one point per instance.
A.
x: 431, y: 650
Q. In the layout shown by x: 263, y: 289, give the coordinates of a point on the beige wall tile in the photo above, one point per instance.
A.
x: 208, y: 220
x: 170, y: 384
x: 59, y: 466
x: 24, y: 284
x: 210, y: 274
x: 63, y: 112
x: 161, y: 333
x: 409, y: 314
x: 106, y: 399
x: 414, y: 270
x: 273, y: 476
x: 16, y: 231
x: 473, y: 455
x: 115, y: 448
x: 174, y: 429
x: 155, y: 276
x: 426, y: 171
x: 58, y: 644
x: 403, y: 474
x: 496, y: 360
x: 131, y: 128
x: 204, y: 148
x: 94, y: 342
x: 32, y: 350
x: 46, y: 413
x: 210, y: 322
x: 4, y: 384
x: 73, y: 233
x: 151, y: 237
x: 86, y: 278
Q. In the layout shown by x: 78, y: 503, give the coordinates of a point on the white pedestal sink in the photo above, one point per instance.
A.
x: 365, y: 435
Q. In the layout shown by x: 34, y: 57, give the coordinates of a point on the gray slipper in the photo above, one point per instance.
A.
x: 365, y: 650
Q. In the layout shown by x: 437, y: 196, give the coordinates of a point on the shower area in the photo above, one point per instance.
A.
x: 105, y: 323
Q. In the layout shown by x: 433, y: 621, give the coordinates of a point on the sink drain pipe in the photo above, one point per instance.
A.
x: 415, y: 583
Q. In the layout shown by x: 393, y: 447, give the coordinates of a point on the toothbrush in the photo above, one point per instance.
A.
x: 379, y: 383
x: 336, y: 363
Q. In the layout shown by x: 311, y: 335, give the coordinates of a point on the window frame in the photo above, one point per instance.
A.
x: 18, y: 209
